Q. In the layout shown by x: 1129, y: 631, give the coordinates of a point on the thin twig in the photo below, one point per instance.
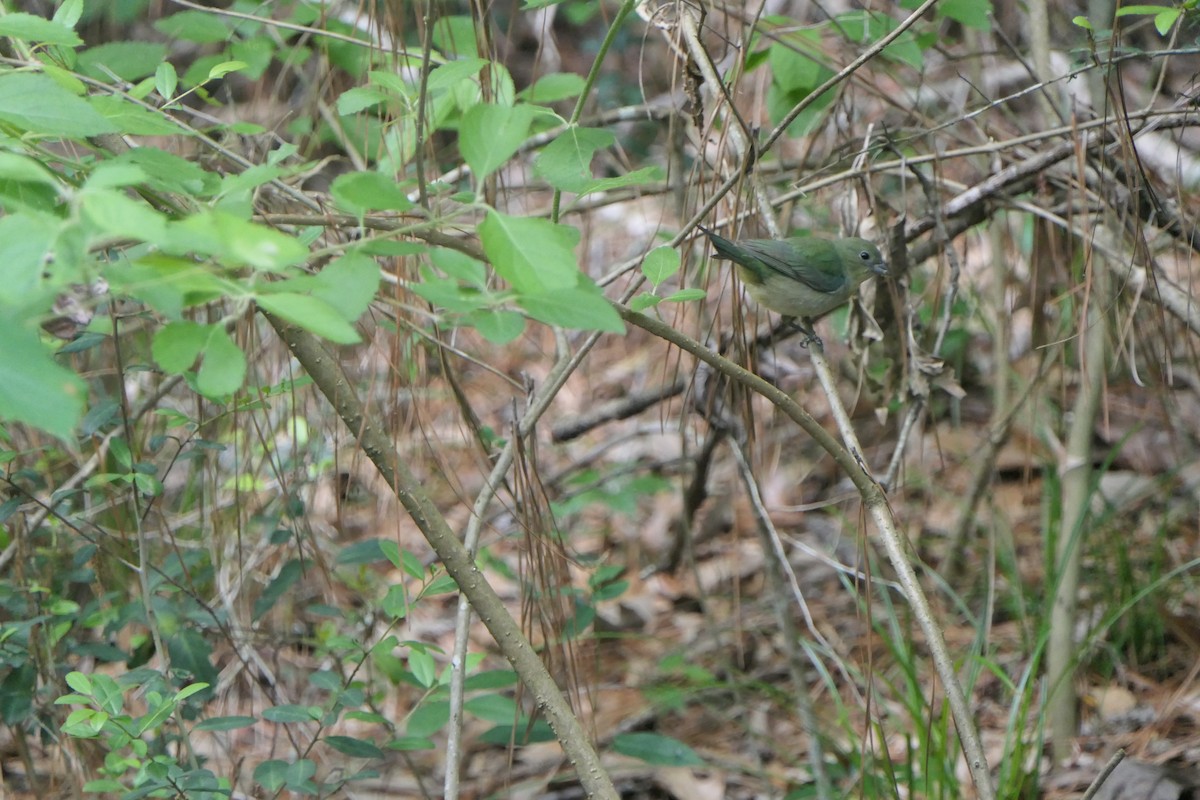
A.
x: 1105, y: 774
x: 876, y: 505
x: 782, y: 577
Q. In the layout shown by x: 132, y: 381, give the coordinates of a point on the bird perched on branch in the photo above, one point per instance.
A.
x: 804, y: 277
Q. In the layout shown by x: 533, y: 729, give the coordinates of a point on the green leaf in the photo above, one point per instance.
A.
x: 256, y: 53
x: 391, y: 551
x: 69, y: 13
x: 36, y: 390
x: 80, y: 682
x: 639, y: 177
x: 654, y: 748
x: 355, y: 748
x: 428, y: 718
x: 166, y: 283
x: 114, y: 174
x: 348, y: 284
x: 166, y: 80
x: 412, y: 565
x: 299, y: 775
x: 224, y: 366
x: 566, y: 162
x: 271, y: 775
x: 360, y: 98
x: 154, y: 718
x: 106, y: 692
x: 489, y: 135
x: 862, y: 26
x: 292, y: 713
x: 128, y: 61
x: 455, y: 35
x: 685, y: 295
x: 177, y: 345
x: 410, y: 743
x: 496, y: 325
x: 552, y: 88
x: 367, y: 551
x: 15, y: 167
x: 194, y: 26
x: 119, y: 449
x: 358, y: 192
x: 170, y: 173
x: 1165, y: 20
x: 1140, y: 10
x: 85, y: 723
x: 460, y: 265
x: 449, y: 294
x: 191, y: 652
x: 230, y: 723
x: 448, y: 75
x: 534, y: 255
x: 115, y: 214
x: 236, y: 188
x: 310, y: 313
x: 491, y: 679
x: 581, y: 308
x: 395, y: 603
x: 660, y: 263
x: 289, y: 574
x: 643, y: 301
x: 779, y: 103
x: 224, y: 68
x: 795, y: 64
x: 37, y: 104
x: 28, y: 197
x: 975, y: 14
x: 189, y: 690
x: 423, y: 668
x: 523, y: 733
x: 25, y: 242
x: 442, y: 584
x: 235, y: 241
x: 30, y: 28
x: 133, y: 119
x: 493, y: 708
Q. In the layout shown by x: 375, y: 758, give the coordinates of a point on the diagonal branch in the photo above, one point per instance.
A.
x: 327, y: 373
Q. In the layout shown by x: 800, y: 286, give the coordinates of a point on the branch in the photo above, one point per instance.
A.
x: 876, y: 505
x: 327, y: 373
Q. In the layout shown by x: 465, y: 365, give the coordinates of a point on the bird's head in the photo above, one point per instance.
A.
x: 861, y: 258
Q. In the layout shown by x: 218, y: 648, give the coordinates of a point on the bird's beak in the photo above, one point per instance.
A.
x: 880, y: 268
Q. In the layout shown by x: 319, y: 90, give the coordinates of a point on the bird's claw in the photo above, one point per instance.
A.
x: 805, y: 326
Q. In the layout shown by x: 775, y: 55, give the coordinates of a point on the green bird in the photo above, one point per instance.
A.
x: 804, y: 277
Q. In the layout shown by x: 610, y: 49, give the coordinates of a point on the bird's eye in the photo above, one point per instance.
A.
x: 864, y: 255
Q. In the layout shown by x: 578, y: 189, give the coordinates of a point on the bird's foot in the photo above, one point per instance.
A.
x: 805, y: 326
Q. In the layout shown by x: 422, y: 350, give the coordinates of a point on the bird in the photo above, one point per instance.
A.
x: 804, y: 277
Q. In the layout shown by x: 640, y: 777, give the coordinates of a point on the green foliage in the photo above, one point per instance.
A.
x: 1165, y: 17
x: 170, y: 252
x: 178, y: 237
x: 657, y: 749
x: 133, y: 763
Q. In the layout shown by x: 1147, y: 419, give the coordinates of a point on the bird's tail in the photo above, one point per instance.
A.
x: 725, y: 248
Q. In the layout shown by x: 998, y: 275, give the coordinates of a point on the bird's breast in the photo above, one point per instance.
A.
x: 793, y: 298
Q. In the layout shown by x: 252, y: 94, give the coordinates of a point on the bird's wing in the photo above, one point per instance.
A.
x: 813, y: 262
